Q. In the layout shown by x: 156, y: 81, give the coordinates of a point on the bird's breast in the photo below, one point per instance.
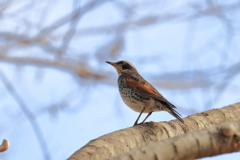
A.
x: 134, y: 99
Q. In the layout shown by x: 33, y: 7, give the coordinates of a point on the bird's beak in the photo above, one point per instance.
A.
x: 113, y: 64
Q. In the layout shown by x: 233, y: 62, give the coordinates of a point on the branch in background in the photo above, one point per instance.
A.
x: 141, y: 135
x: 5, y: 145
x: 181, y: 81
x: 78, y: 68
x: 65, y: 19
x: 29, y: 115
x: 159, y: 19
x: 220, y: 139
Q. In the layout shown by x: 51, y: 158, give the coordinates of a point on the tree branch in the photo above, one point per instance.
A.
x: 29, y: 115
x: 220, y: 139
x: 127, y: 139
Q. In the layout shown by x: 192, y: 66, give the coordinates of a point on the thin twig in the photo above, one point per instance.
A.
x: 29, y: 115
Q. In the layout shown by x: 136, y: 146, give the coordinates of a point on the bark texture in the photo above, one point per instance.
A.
x: 220, y: 139
x: 138, y: 136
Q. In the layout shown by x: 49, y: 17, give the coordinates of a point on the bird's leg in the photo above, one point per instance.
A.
x: 149, y: 114
x: 139, y: 116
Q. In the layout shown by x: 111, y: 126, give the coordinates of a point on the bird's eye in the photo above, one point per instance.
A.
x: 126, y: 66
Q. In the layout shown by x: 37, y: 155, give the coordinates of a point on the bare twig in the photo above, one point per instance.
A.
x: 29, y: 115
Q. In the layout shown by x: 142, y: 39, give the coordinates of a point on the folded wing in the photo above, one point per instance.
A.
x: 148, y: 90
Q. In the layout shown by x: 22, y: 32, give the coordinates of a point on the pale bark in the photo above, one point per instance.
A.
x: 138, y: 136
x: 4, y: 146
x: 216, y: 140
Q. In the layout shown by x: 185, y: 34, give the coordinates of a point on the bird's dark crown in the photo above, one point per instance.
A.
x: 123, y: 66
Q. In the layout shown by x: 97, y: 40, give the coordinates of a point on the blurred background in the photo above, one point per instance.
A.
x: 57, y: 93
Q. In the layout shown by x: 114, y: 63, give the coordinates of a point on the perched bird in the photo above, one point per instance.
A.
x: 138, y: 94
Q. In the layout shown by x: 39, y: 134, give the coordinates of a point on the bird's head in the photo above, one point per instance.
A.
x: 123, y: 67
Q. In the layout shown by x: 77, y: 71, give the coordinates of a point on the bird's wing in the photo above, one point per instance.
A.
x: 141, y: 86
x: 147, y: 89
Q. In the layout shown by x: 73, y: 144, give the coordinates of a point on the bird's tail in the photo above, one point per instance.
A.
x: 170, y: 108
x: 175, y: 114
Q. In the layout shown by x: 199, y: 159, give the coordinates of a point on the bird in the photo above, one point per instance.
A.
x: 138, y: 94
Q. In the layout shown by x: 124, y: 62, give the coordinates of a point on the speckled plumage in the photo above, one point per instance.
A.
x: 138, y: 94
x: 131, y: 97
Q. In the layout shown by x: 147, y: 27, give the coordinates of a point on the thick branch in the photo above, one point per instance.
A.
x: 220, y: 139
x: 127, y: 139
x: 4, y: 146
